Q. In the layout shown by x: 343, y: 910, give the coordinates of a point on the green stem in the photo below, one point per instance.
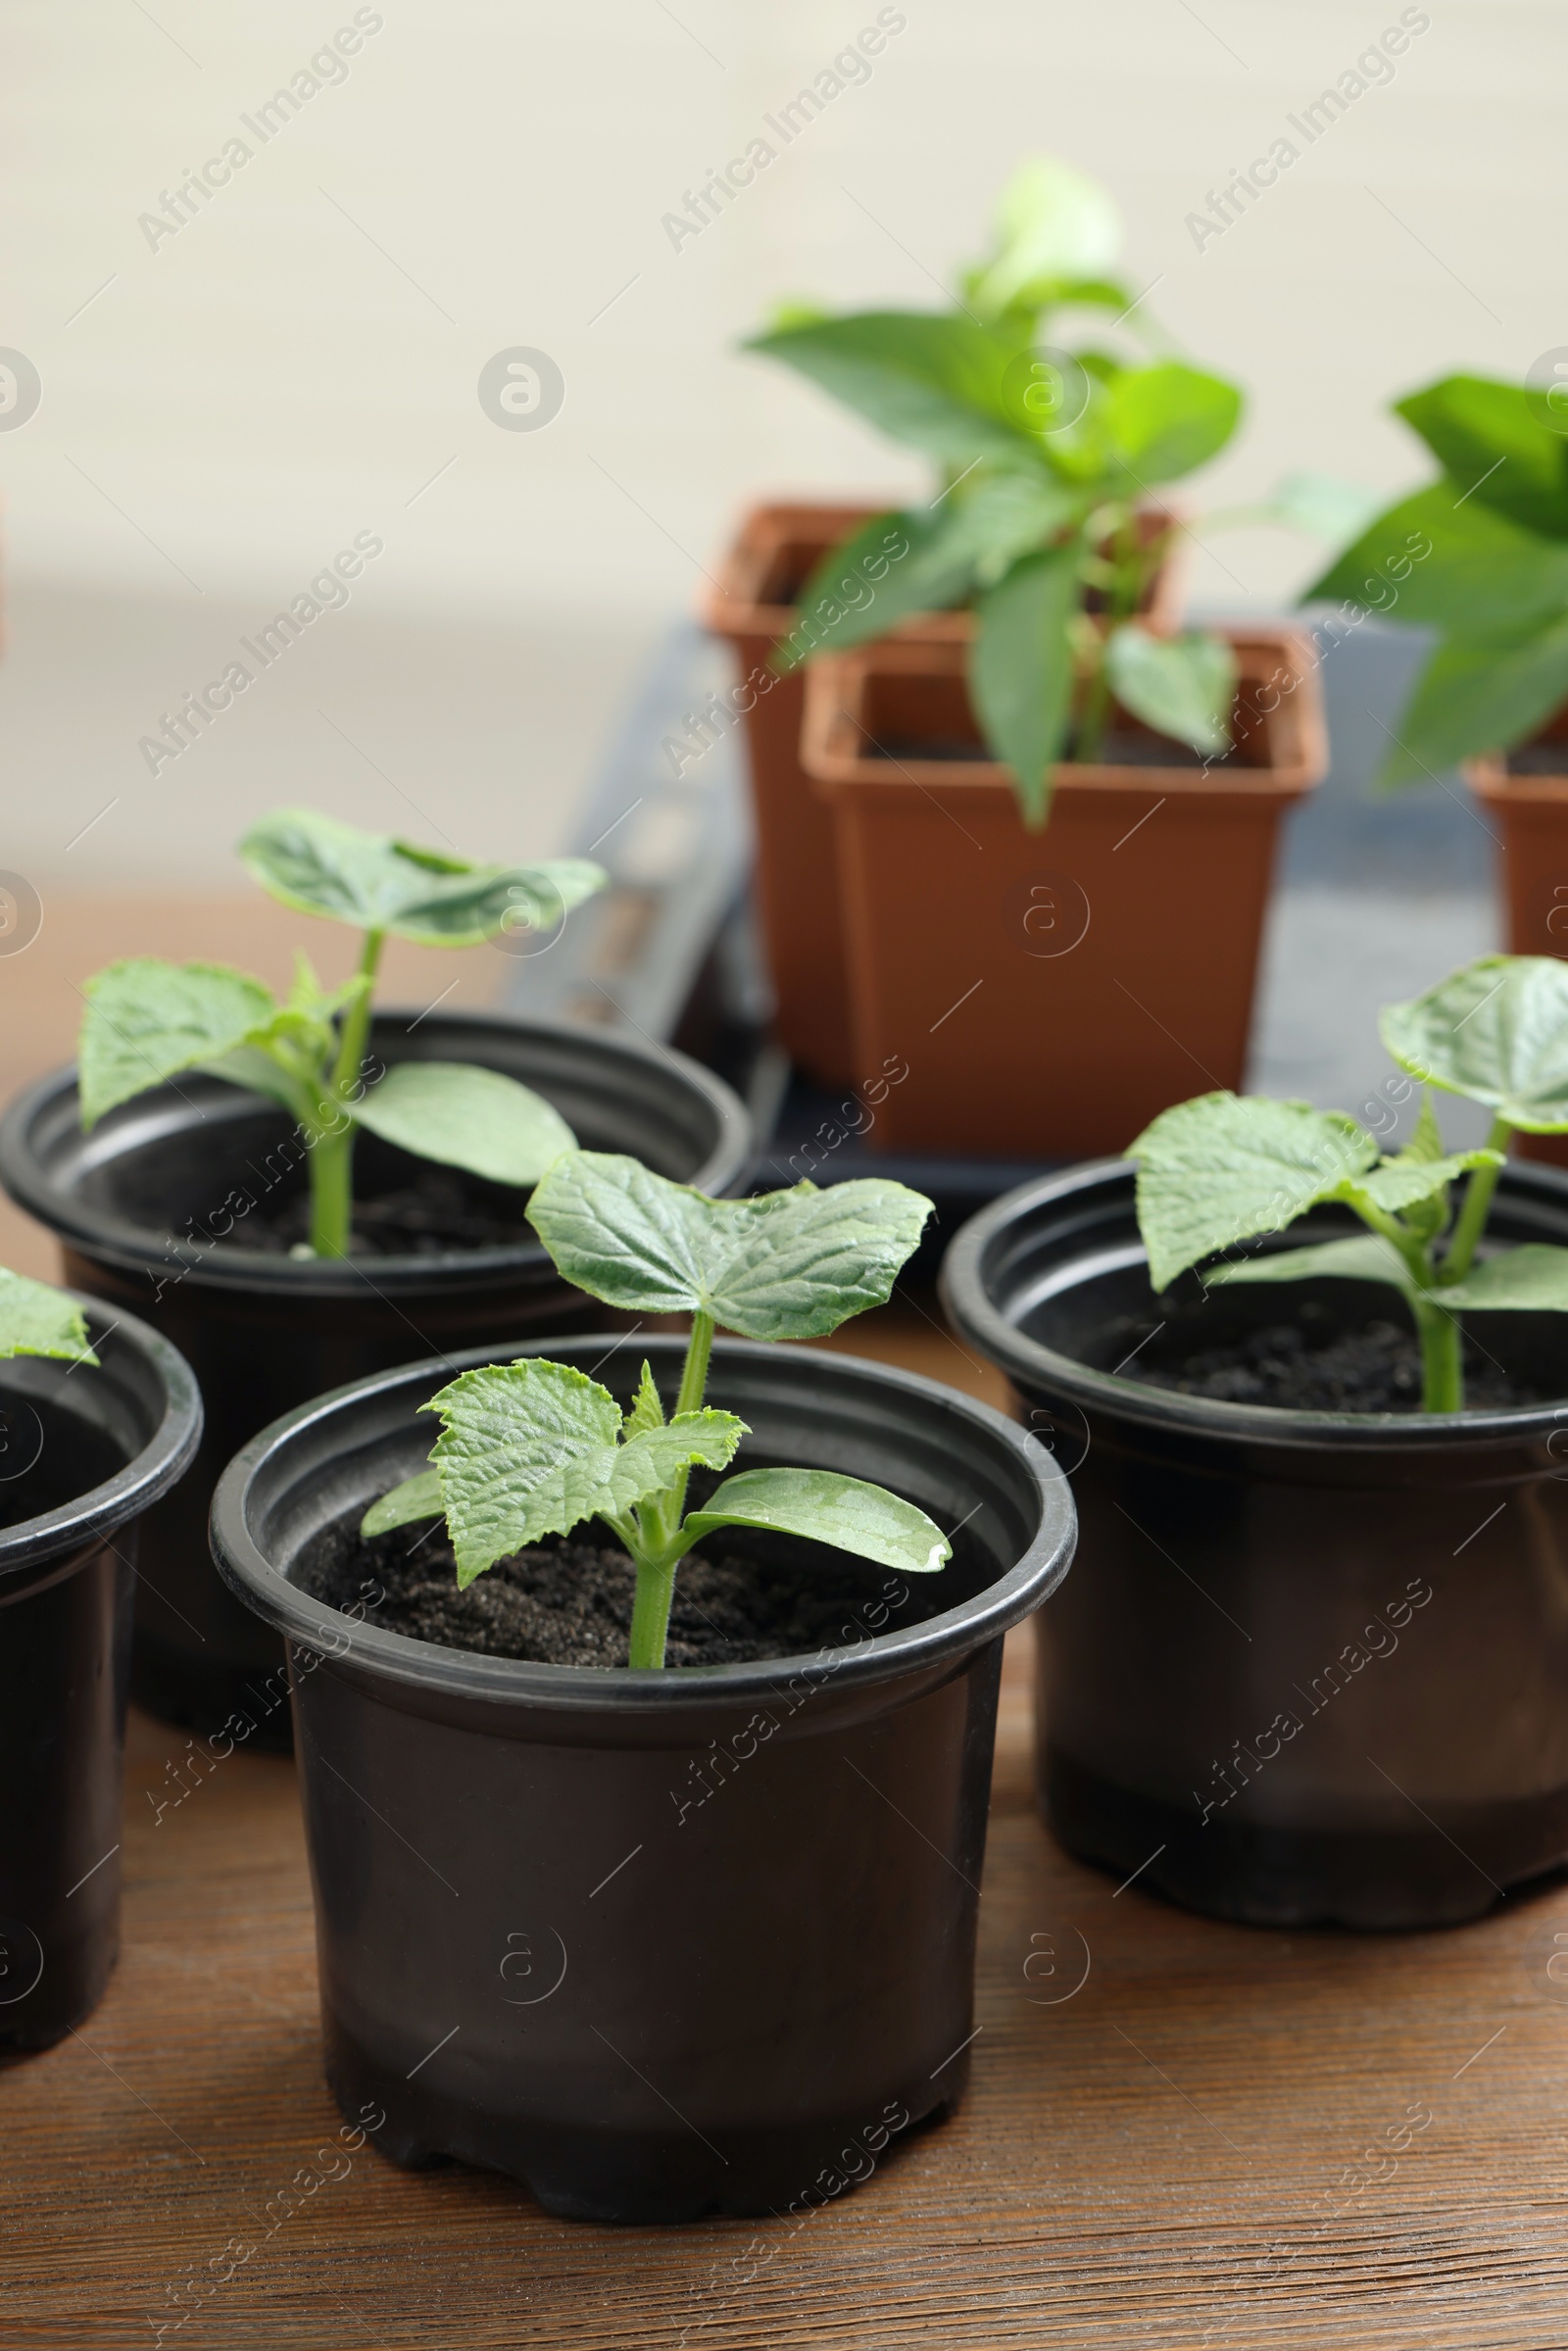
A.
x: 661, y: 1520
x: 1442, y: 1364
x: 333, y: 1153
x: 1128, y: 568
x: 1478, y: 1194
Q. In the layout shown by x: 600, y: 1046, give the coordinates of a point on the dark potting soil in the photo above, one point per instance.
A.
x: 437, y: 1212
x: 567, y: 1601
x: 1121, y: 749
x: 1539, y: 758
x: 1377, y: 1369
x: 49, y: 1457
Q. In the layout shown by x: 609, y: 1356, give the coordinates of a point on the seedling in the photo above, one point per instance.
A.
x: 1047, y: 457
x: 147, y: 1020
x: 535, y: 1447
x: 1227, y: 1168
x: 1494, y: 580
x: 35, y: 1320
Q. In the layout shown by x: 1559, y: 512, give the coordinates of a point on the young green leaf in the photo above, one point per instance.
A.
x: 933, y: 381
x: 1530, y: 1280
x: 313, y: 863
x: 1226, y: 1167
x: 146, y: 1020
x: 1321, y: 506
x: 533, y: 1447
x: 1167, y: 420
x: 37, y: 1320
x: 645, y: 1411
x: 1022, y: 669
x: 1400, y: 1184
x: 417, y: 1498
x: 844, y: 604
x: 1182, y: 686
x: 1362, y: 1257
x: 1494, y: 441
x: 1496, y: 1030
x: 1478, y: 693
x: 468, y: 1117
x: 828, y: 1508
x: 791, y: 1265
x: 1430, y: 560
x: 1053, y: 224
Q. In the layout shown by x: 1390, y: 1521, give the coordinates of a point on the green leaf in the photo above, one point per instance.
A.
x: 1494, y: 440
x: 791, y: 1265
x: 1022, y: 669
x: 35, y: 1320
x: 1362, y: 1259
x: 1321, y: 506
x: 1399, y: 1184
x: 843, y: 603
x: 464, y: 1115
x: 1225, y: 1167
x: 1433, y: 561
x: 1182, y: 686
x: 533, y: 1449
x: 417, y: 1498
x: 1053, y: 224
x: 1478, y: 695
x: 644, y: 1410
x: 1167, y: 420
x: 146, y: 1020
x: 319, y: 866
x: 1496, y: 1031
x: 827, y: 1509
x: 933, y: 381
x: 1530, y: 1280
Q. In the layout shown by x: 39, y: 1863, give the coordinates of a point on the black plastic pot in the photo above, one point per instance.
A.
x: 658, y: 1943
x: 83, y: 1452
x: 1314, y: 1666
x: 262, y: 1332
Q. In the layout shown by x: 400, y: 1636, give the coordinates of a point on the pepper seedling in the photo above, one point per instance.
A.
x: 535, y: 1447
x: 37, y: 1320
x: 148, y: 1020
x: 1227, y: 1168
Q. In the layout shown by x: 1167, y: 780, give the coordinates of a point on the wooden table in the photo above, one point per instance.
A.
x: 1170, y: 2152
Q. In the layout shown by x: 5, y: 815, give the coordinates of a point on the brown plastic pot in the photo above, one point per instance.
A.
x: 754, y: 606
x: 1530, y: 814
x: 1051, y: 992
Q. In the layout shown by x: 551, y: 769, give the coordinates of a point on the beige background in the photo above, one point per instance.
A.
x: 301, y: 360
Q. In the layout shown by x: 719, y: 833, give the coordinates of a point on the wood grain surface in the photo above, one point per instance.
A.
x: 1223, y: 2137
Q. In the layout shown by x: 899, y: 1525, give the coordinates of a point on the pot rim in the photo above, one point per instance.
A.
x: 149, y: 1474
x: 135, y: 1249
x: 644, y: 1693
x: 1031, y: 1364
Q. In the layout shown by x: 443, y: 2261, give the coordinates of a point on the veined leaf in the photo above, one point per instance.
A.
x: 1398, y: 1184
x: 417, y: 1498
x: 1167, y: 420
x: 1362, y: 1258
x: 791, y: 1265
x: 921, y: 377
x: 533, y: 1449
x: 645, y: 1411
x: 146, y: 1020
x: 1478, y: 694
x: 468, y: 1117
x: 1022, y: 669
x: 1433, y: 560
x: 1182, y: 686
x: 844, y: 1511
x: 1496, y: 1031
x: 376, y: 883
x: 37, y: 1320
x: 1530, y: 1280
x: 1227, y: 1167
x: 1494, y: 441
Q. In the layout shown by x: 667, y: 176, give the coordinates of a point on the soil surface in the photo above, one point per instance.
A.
x: 1539, y: 758
x: 1119, y: 750
x: 49, y: 1457
x: 438, y: 1212
x: 1377, y: 1369
x: 567, y: 1601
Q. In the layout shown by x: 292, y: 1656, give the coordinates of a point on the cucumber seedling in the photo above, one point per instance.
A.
x: 37, y: 1320
x: 1227, y: 1168
x: 535, y: 1447
x: 148, y: 1020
